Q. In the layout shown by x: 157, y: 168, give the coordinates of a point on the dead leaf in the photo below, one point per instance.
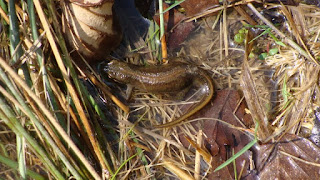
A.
x: 177, y: 29
x: 292, y: 157
x: 193, y: 7
x: 252, y: 95
x: 224, y: 135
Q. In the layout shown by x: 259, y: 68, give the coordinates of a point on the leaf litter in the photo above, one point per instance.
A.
x: 280, y: 92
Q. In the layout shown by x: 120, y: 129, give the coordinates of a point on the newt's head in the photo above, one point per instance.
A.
x: 114, y: 70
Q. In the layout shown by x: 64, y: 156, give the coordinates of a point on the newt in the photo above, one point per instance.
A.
x: 172, y: 77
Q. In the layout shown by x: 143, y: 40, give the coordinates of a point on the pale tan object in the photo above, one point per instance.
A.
x: 183, y: 175
x: 91, y: 27
x: 197, y: 160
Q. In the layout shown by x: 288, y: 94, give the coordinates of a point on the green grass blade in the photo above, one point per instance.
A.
x: 21, y: 156
x: 230, y: 160
x: 9, y: 118
x: 47, y: 86
x: 173, y: 5
x: 118, y: 170
x: 31, y: 115
x: 16, y: 52
x: 14, y: 165
x: 14, y: 33
x: 15, y: 44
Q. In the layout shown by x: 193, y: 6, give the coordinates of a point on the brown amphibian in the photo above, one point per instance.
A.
x: 172, y: 77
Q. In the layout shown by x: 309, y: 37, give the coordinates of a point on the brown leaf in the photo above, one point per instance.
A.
x: 292, y: 158
x: 193, y: 7
x: 222, y: 138
x: 226, y: 137
x: 252, y: 95
x: 252, y: 98
x: 177, y: 29
x: 222, y: 108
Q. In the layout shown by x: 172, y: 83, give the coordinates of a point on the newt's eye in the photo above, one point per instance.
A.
x: 105, y: 70
x: 108, y: 71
